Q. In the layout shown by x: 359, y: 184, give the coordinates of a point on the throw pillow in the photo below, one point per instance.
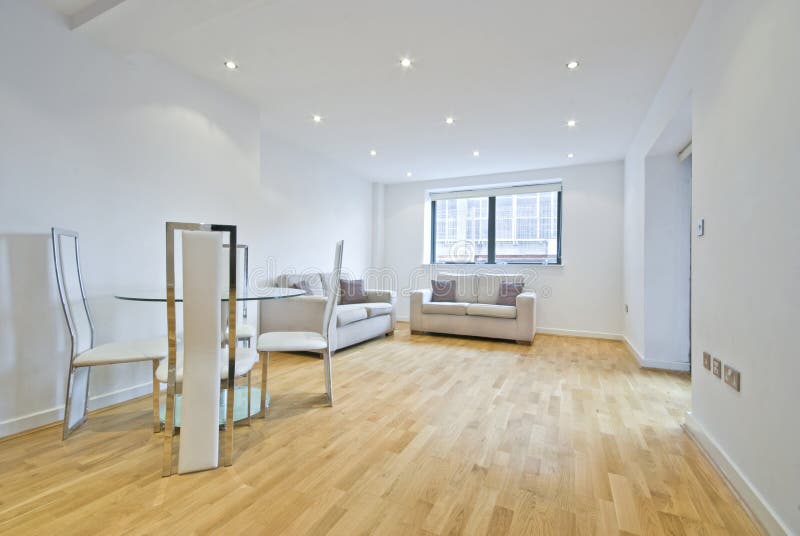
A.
x: 304, y: 286
x: 443, y: 291
x: 353, y: 291
x: 509, y: 292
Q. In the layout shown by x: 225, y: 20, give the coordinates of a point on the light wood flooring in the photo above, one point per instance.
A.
x: 429, y: 435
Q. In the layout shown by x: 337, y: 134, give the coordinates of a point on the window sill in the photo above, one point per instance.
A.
x: 446, y: 264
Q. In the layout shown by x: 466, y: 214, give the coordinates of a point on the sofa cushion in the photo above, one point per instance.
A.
x: 443, y: 290
x: 489, y: 286
x: 312, y: 281
x: 509, y: 292
x: 494, y: 311
x: 466, y: 286
x: 445, y: 308
x: 378, y: 308
x: 347, y: 314
x: 352, y: 291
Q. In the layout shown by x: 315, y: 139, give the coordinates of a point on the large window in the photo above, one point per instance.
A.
x: 520, y: 224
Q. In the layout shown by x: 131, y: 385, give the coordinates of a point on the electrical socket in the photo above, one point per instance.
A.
x: 732, y: 377
x: 716, y: 369
x: 706, y: 360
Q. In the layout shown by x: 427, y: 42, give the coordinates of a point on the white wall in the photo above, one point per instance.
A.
x: 666, y: 261
x: 582, y: 296
x: 746, y: 132
x: 114, y: 147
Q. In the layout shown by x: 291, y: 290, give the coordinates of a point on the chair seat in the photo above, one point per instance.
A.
x: 123, y: 352
x: 244, y: 331
x: 246, y: 358
x: 291, y: 341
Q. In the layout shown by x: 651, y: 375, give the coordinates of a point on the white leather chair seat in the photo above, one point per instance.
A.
x: 445, y: 308
x: 123, y: 352
x: 245, y: 359
x: 494, y: 311
x: 353, y: 312
x: 378, y: 308
x: 244, y: 331
x: 291, y: 341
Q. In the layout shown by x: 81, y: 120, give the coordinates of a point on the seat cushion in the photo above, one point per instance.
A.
x: 245, y: 359
x: 245, y: 331
x: 291, y: 341
x: 123, y: 352
x: 445, y: 308
x: 494, y: 311
x: 347, y: 314
x: 378, y: 309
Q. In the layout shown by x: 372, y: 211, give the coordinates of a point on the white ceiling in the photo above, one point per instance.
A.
x: 497, y: 66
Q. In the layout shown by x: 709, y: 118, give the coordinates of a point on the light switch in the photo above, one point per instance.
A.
x: 701, y: 227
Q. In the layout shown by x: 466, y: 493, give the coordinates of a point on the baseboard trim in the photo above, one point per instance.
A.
x: 50, y: 416
x: 680, y: 366
x: 580, y: 333
x: 748, y: 495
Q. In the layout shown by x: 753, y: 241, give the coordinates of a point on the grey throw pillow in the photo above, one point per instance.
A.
x: 353, y: 291
x: 443, y: 291
x: 509, y: 292
x: 304, y: 286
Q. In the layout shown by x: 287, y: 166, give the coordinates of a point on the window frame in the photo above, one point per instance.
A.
x: 491, y: 238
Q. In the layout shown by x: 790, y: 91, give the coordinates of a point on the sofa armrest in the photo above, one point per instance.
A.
x: 418, y: 297
x: 301, y: 313
x: 526, y: 316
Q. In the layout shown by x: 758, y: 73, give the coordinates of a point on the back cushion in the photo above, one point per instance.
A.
x: 311, y: 281
x: 489, y: 285
x: 466, y: 287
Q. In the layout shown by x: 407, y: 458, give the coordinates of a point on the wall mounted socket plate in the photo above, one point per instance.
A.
x: 706, y: 360
x: 716, y: 369
x: 732, y: 377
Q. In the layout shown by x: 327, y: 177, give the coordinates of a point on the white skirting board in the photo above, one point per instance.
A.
x: 682, y: 366
x: 748, y: 495
x: 56, y: 414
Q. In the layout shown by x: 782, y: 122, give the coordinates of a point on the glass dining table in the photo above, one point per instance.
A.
x: 240, y: 404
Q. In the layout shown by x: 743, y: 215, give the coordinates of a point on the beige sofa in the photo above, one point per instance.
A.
x: 350, y: 324
x: 475, y: 311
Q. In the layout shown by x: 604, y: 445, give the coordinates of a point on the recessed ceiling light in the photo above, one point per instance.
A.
x: 230, y: 64
x: 373, y: 152
x: 405, y: 63
x: 570, y: 155
x: 572, y: 65
x: 449, y: 120
x: 317, y: 118
x: 408, y: 173
x: 476, y: 153
x: 571, y: 123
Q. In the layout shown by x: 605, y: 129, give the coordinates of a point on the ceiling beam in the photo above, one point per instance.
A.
x: 91, y: 12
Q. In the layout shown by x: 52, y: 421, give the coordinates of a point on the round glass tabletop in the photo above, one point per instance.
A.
x: 160, y: 295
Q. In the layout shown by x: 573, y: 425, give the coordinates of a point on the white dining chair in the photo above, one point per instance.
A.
x: 83, y: 355
x: 305, y: 341
x: 199, y: 367
x: 245, y: 332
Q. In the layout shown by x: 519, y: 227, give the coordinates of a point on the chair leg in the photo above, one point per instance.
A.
x: 68, y: 403
x: 328, y: 367
x: 264, y: 376
x: 249, y: 389
x: 156, y: 396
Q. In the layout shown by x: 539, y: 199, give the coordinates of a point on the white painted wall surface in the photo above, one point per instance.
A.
x: 666, y: 261
x: 582, y: 296
x: 114, y: 147
x: 746, y: 133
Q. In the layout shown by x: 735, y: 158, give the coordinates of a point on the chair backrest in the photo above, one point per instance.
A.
x: 59, y: 237
x: 243, y: 277
x: 202, y: 279
x: 333, y: 289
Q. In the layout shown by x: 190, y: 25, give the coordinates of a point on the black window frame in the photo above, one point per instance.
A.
x: 491, y: 244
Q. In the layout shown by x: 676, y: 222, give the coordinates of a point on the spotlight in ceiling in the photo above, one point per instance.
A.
x: 408, y: 174
x: 449, y: 120
x: 373, y: 152
x: 317, y: 118
x: 570, y: 155
x: 572, y: 65
x: 406, y: 62
x: 476, y: 153
x: 232, y: 65
x: 571, y: 123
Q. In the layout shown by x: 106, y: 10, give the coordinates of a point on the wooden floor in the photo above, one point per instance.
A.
x: 430, y: 435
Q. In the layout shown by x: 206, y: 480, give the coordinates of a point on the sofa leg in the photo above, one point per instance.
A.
x: 417, y: 332
x: 526, y: 343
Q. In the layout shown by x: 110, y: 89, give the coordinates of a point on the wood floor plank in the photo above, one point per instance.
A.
x: 430, y: 435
